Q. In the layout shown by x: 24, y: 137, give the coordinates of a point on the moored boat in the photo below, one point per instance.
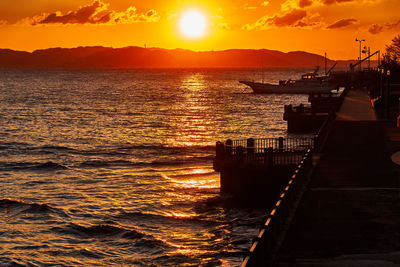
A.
x: 309, y: 83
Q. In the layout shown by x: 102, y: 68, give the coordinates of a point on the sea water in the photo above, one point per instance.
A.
x: 114, y: 167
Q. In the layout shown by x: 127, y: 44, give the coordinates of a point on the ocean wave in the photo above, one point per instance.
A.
x: 194, y: 174
x: 13, y: 144
x: 140, y: 216
x: 178, y: 161
x: 112, y: 231
x: 19, y: 206
x: 27, y: 146
x: 39, y: 166
x: 106, y: 163
x: 53, y: 147
x: 146, y: 149
x: 155, y: 163
x: 102, y: 230
x: 168, y: 147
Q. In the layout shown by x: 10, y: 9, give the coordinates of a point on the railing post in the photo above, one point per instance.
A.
x: 387, y: 102
x: 269, y: 157
x: 219, y: 150
x: 228, y: 147
x: 240, y: 154
x: 280, y: 144
x: 250, y: 146
x: 288, y: 108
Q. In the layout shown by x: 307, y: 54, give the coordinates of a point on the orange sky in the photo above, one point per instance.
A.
x: 286, y: 25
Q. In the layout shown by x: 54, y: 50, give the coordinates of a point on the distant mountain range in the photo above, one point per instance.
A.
x: 137, y: 57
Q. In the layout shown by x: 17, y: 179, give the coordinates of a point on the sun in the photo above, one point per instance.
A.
x: 193, y: 24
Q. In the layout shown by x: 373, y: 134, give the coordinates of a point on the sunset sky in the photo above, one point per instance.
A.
x: 287, y: 25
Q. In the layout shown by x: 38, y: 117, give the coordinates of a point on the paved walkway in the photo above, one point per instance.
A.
x: 350, y: 215
x: 356, y: 107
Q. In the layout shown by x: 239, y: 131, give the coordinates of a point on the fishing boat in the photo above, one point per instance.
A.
x: 310, y: 83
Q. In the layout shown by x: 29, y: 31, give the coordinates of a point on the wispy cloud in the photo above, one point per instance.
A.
x: 265, y: 3
x: 342, y: 23
x: 249, y: 7
x: 224, y: 25
x: 96, y: 13
x: 331, y: 2
x: 300, y: 4
x: 305, y: 3
x: 378, y: 28
x: 293, y: 18
x: 375, y: 29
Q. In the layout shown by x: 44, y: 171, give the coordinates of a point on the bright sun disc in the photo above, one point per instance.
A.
x: 193, y: 24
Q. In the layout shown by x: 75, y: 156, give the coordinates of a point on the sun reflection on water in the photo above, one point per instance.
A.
x: 195, y: 178
x: 195, y: 117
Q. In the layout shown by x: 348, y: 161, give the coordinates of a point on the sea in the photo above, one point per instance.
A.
x: 114, y: 167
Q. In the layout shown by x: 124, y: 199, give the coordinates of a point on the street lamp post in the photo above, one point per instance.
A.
x: 367, y: 52
x: 360, y: 41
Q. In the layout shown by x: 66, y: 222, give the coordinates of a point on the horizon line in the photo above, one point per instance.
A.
x: 171, y: 49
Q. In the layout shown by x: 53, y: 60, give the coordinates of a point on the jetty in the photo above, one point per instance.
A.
x: 341, y: 204
x: 350, y: 212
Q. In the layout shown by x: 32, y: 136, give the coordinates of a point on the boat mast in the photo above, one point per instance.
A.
x: 325, y: 62
x: 262, y: 68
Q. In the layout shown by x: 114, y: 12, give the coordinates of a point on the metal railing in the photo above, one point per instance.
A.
x: 271, y: 235
x: 261, y: 145
x: 268, y: 151
x: 277, y: 151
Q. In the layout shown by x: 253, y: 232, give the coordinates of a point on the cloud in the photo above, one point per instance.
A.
x: 342, y: 23
x: 305, y: 3
x: 301, y: 4
x: 377, y: 28
x: 394, y: 25
x: 224, y: 26
x: 96, y: 13
x: 331, y: 2
x: 249, y: 7
x: 265, y: 3
x: 294, y: 18
x: 289, y: 19
x: 172, y: 16
x: 298, y: 4
x: 3, y: 22
x: 290, y: 5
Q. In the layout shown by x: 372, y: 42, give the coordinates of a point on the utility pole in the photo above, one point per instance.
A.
x: 360, y: 41
x: 367, y: 51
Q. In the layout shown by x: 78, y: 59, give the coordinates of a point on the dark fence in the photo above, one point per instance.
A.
x: 268, y: 151
x: 278, y: 151
x: 271, y: 235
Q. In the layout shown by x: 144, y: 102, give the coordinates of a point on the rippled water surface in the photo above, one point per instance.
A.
x: 111, y: 168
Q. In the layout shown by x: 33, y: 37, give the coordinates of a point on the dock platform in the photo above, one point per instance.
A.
x: 350, y: 213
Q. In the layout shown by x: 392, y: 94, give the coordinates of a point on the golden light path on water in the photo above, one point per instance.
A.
x: 193, y: 123
x: 118, y: 171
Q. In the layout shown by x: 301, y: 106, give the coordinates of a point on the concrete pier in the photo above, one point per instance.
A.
x: 345, y: 208
x: 350, y: 214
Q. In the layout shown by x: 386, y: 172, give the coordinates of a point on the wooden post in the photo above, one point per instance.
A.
x: 280, y: 144
x: 387, y: 94
x: 250, y: 146
x: 219, y: 150
x: 381, y: 82
x: 228, y: 147
x: 269, y: 157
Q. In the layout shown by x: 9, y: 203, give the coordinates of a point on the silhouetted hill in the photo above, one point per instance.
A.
x: 137, y: 57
